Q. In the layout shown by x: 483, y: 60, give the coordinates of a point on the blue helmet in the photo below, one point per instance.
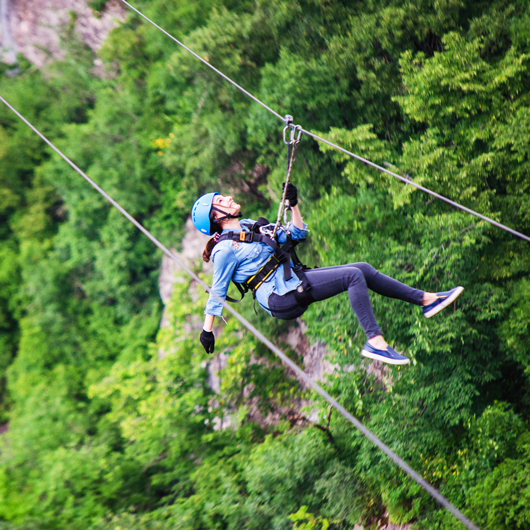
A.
x: 200, y: 213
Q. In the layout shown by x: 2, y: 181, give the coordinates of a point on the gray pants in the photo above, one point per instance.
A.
x: 356, y: 279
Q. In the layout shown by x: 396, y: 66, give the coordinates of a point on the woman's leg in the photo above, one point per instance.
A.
x: 384, y: 285
x: 354, y: 278
x: 330, y: 281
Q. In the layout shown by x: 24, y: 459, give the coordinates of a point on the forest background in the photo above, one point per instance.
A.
x: 102, y: 434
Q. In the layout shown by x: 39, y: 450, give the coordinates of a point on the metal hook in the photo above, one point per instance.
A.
x: 293, y: 134
x: 287, y: 207
x: 294, y: 138
x: 284, y: 129
x: 288, y: 125
x: 299, y: 137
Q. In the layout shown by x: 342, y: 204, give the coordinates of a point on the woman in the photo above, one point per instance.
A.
x: 242, y: 251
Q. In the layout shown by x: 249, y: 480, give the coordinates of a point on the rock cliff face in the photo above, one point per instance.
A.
x: 33, y: 27
x: 7, y: 44
x: 193, y: 244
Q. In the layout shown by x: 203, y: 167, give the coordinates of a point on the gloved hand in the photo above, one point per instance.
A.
x: 292, y: 194
x: 208, y: 341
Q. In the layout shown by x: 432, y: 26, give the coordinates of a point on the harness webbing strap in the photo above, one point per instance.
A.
x: 263, y: 274
x: 282, y: 256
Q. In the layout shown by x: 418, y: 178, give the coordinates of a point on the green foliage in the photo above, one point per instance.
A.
x: 112, y: 422
x: 307, y: 521
x: 97, y: 5
x: 502, y: 499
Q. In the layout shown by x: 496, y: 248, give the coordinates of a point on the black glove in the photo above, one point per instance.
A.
x: 208, y: 341
x: 292, y: 194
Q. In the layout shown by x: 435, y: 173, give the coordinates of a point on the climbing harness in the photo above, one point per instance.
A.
x: 282, y: 256
x: 260, y: 232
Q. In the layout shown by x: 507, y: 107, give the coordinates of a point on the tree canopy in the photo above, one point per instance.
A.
x: 103, y: 433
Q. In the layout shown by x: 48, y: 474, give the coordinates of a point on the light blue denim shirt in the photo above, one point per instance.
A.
x: 240, y: 261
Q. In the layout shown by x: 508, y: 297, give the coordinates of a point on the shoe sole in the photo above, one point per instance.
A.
x: 445, y: 303
x: 376, y: 357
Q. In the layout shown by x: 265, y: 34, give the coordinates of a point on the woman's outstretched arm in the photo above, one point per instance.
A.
x: 225, y: 263
x: 208, y: 322
x: 297, y: 217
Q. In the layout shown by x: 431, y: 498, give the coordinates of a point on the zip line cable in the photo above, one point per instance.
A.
x: 412, y: 183
x: 333, y: 402
x: 319, y: 139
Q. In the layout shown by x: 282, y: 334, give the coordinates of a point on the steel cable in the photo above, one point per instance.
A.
x: 412, y: 183
x: 366, y: 432
x: 318, y: 138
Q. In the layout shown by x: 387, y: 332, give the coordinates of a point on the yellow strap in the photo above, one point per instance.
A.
x: 265, y: 277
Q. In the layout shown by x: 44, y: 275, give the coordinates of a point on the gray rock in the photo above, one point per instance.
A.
x: 36, y: 25
x: 8, y: 47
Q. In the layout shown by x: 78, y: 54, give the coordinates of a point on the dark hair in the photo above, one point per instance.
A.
x: 216, y: 228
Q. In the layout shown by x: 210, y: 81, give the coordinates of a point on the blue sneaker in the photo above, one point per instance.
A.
x: 445, y: 299
x: 389, y: 355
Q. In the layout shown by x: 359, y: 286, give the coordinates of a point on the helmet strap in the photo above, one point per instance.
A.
x: 226, y: 216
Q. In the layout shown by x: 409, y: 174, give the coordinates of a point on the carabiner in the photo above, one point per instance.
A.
x: 294, y: 138
x: 289, y: 125
x: 287, y: 207
x: 293, y: 134
x: 299, y: 129
x: 284, y: 129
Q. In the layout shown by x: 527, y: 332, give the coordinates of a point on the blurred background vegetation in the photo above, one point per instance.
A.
x: 101, y: 433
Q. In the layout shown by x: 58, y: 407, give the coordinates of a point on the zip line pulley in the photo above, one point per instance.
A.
x: 294, y: 139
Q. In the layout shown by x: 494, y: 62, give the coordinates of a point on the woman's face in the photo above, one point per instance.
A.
x: 227, y: 204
